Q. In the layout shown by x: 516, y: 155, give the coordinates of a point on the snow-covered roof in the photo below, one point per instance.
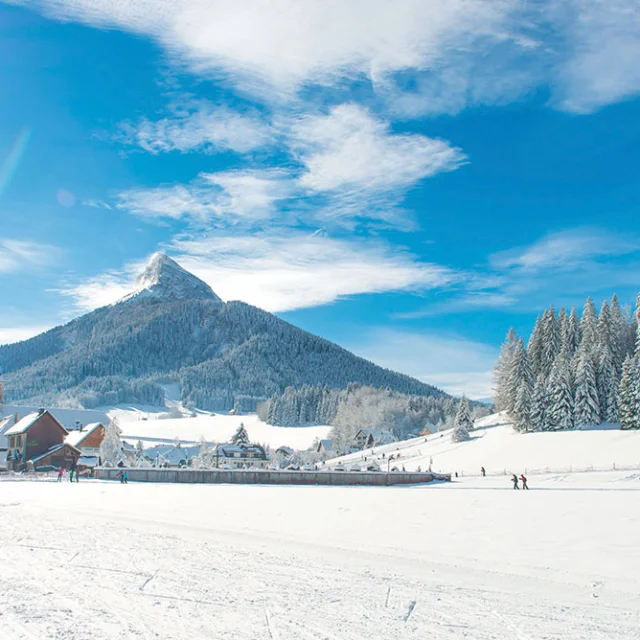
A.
x: 88, y: 461
x: 5, y: 425
x: 52, y: 450
x: 229, y: 450
x: 171, y: 453
x: 23, y: 425
x: 327, y: 445
x: 75, y: 438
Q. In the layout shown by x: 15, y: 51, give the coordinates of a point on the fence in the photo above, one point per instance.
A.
x: 242, y: 476
x: 546, y: 470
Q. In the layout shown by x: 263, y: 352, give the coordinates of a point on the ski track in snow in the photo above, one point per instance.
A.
x: 99, y: 561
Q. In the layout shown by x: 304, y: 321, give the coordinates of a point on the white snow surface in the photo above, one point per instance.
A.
x: 471, y: 559
x: 151, y: 428
x: 495, y: 446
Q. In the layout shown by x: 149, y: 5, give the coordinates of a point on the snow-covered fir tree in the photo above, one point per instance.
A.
x: 111, y: 447
x: 522, y: 409
x: 502, y: 372
x: 561, y: 400
x: 577, y: 364
x: 464, y: 423
x: 587, y: 405
x: 628, y: 394
x: 539, y: 401
x: 240, y: 436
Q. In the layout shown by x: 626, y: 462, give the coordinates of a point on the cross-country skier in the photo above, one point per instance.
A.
x: 483, y: 472
x: 524, y: 482
x: 514, y: 479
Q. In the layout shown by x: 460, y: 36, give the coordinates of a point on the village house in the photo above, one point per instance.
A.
x: 325, y: 446
x: 368, y: 438
x: 87, y: 439
x: 240, y: 456
x: 39, y: 438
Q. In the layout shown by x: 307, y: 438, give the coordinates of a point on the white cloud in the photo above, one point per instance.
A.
x: 9, y: 335
x: 460, y: 51
x: 279, y: 273
x: 600, y: 65
x: 19, y: 255
x: 228, y: 196
x: 198, y: 126
x: 286, y: 43
x: 453, y: 363
x: 565, y: 250
x: 350, y: 149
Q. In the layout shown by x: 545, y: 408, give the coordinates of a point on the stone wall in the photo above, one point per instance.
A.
x: 240, y: 476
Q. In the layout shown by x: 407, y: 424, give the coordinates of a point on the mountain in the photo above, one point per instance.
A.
x: 174, y: 328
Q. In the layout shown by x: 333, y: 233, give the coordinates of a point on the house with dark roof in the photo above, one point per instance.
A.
x: 241, y: 456
x: 367, y: 438
x: 39, y: 437
x: 324, y: 446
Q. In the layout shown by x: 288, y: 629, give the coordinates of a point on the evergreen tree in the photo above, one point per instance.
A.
x: 563, y: 323
x: 587, y: 406
x: 588, y: 325
x: 520, y: 375
x: 604, y: 328
x: 573, y: 337
x: 551, y: 341
x: 560, y: 415
x: 463, y: 423
x: 534, y: 347
x: 627, y: 393
x: 607, y: 382
x: 539, y: 405
x: 619, y: 347
x: 240, y: 436
x: 522, y: 409
x: 502, y: 372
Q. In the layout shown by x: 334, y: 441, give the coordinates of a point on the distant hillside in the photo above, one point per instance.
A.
x: 174, y: 328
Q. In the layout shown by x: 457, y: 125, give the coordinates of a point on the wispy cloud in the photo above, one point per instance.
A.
x: 279, y: 272
x: 459, y: 52
x: 198, y: 126
x: 21, y: 255
x: 347, y: 164
x: 565, y: 250
x: 452, y: 362
x: 229, y: 196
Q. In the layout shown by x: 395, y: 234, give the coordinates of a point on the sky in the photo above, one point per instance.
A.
x: 407, y: 178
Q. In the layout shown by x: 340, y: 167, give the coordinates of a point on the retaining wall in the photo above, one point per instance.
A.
x: 241, y: 476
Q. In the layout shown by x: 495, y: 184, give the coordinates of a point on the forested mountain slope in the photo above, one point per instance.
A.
x: 174, y: 328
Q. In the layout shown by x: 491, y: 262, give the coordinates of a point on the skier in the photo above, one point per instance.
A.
x: 73, y: 470
x: 483, y: 472
x: 125, y: 476
x: 524, y: 481
x: 60, y: 473
x: 514, y: 479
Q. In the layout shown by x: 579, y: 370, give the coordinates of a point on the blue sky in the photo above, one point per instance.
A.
x: 406, y: 178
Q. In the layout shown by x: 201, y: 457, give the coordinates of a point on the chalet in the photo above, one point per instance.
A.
x: 171, y: 456
x: 87, y: 439
x: 39, y: 437
x: 240, y: 456
x: 367, y: 438
x: 324, y: 446
x: 284, y: 451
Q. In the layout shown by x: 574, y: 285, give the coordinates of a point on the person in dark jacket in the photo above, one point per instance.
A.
x: 73, y: 471
x: 483, y: 472
x: 514, y: 479
x: 524, y: 482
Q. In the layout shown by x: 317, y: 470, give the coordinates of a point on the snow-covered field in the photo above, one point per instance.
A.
x: 496, y: 446
x: 472, y: 559
x: 212, y: 427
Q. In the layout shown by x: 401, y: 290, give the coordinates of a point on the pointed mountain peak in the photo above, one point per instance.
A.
x: 165, y: 278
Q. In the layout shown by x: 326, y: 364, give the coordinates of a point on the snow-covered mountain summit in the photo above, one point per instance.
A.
x: 165, y: 278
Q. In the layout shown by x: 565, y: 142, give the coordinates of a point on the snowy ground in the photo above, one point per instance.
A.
x: 472, y: 559
x: 496, y: 446
x: 152, y: 429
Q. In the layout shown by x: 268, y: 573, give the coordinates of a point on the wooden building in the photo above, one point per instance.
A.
x: 37, y: 437
x: 87, y: 439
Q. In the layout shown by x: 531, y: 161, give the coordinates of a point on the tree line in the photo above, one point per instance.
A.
x: 575, y: 370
